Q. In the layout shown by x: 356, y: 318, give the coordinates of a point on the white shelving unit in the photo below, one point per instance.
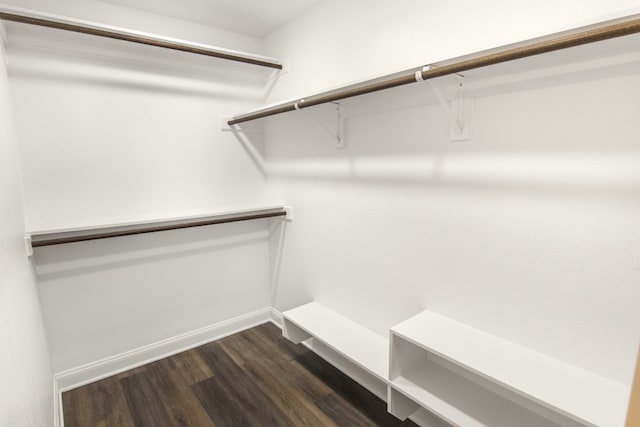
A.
x: 464, y: 376
x: 471, y: 378
x: 358, y: 344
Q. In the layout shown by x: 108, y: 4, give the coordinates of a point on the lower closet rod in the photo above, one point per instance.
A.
x: 152, y: 229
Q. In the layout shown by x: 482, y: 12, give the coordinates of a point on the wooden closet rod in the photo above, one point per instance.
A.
x: 84, y: 27
x: 581, y: 36
x: 38, y: 242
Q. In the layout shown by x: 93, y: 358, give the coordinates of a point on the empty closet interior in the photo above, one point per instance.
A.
x: 441, y: 199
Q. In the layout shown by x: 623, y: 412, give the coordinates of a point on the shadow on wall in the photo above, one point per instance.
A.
x: 252, y: 141
x: 73, y: 259
x: 137, y: 80
x: 277, y: 236
x: 559, y: 135
x: 426, y: 158
x: 588, y: 175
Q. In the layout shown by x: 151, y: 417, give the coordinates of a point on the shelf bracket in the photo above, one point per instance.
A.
x: 289, y: 213
x: 338, y: 134
x: 28, y: 246
x: 224, y: 125
x: 458, y: 110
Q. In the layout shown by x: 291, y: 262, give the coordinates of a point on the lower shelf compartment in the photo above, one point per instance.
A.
x: 358, y: 344
x: 457, y: 400
x: 445, y: 365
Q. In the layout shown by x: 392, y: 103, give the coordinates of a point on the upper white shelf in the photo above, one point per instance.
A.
x: 530, y: 49
x: 571, y: 391
x: 42, y: 19
x: 360, y: 345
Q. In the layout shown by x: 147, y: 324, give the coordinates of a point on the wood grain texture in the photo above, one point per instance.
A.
x: 253, y: 378
x: 144, y: 402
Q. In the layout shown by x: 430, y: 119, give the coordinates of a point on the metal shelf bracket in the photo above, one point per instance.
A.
x: 27, y: 245
x: 338, y: 134
x: 458, y: 111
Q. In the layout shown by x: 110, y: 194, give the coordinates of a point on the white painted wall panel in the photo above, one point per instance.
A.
x: 112, y: 132
x: 26, y: 395
x: 528, y: 231
x: 107, y: 136
x: 108, y: 297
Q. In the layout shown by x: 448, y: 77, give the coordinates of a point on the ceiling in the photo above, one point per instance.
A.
x: 256, y: 18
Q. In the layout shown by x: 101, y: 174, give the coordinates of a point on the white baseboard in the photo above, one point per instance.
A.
x: 91, y: 372
x: 58, y: 420
x: 276, y: 317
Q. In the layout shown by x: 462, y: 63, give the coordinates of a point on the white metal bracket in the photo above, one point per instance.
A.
x: 224, y: 123
x: 27, y: 245
x: 458, y: 110
x: 338, y: 134
x: 289, y: 213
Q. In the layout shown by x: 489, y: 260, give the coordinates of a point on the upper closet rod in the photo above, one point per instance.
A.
x: 78, y: 26
x: 581, y: 36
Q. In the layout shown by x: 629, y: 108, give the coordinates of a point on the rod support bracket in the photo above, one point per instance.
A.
x: 459, y: 110
x: 289, y: 213
x: 224, y: 123
x: 338, y: 134
x: 340, y: 140
x: 28, y: 246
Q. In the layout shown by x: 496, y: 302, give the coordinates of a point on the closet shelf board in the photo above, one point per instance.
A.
x: 353, y: 341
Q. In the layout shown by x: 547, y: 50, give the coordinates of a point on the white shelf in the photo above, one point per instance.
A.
x: 503, y: 366
x: 353, y: 341
x: 460, y: 401
x: 133, y: 226
x: 34, y: 17
x: 138, y: 221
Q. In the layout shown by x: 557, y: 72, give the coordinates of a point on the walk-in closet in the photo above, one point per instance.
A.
x: 319, y: 212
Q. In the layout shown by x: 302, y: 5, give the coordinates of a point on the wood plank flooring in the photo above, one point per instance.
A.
x: 253, y: 378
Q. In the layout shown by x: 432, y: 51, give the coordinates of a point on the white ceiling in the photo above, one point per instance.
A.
x: 256, y: 18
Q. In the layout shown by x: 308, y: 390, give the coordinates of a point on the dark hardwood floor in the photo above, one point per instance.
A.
x: 253, y: 378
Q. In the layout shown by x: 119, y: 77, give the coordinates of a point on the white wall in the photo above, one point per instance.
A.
x: 528, y: 231
x: 111, y: 131
x: 104, y: 298
x: 26, y: 395
x: 335, y: 42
